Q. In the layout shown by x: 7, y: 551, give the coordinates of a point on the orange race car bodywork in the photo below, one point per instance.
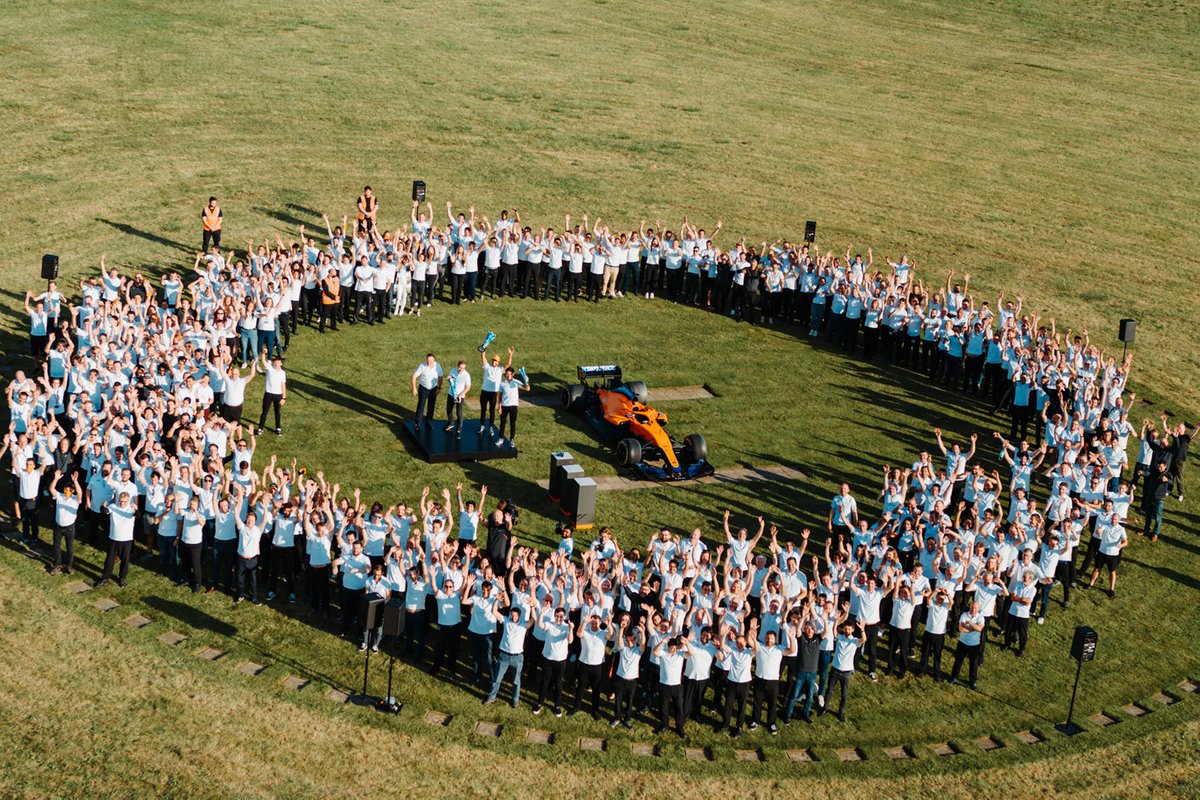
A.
x: 646, y: 423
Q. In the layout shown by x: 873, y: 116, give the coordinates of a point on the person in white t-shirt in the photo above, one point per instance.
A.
x: 459, y: 385
x: 121, y: 517
x: 274, y: 391
x: 489, y: 393
x: 510, y: 391
x: 426, y: 380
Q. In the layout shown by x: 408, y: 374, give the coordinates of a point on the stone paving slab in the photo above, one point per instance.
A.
x: 748, y: 755
x: 1166, y: 699
x: 1102, y: 720
x: 538, y: 736
x: 593, y: 745
x: 944, y: 749
x: 642, y: 749
x: 1030, y: 737
x: 437, y: 718
x: 804, y: 756
x: 849, y: 754
x: 209, y: 653
x: 337, y: 696
x: 697, y: 754
x: 1189, y: 685
x: 988, y: 743
x: 106, y: 604
x: 173, y: 638
x: 898, y: 753
x: 250, y: 668
x: 137, y: 621
x: 295, y: 682
x: 1135, y: 710
x: 78, y: 587
x: 490, y: 729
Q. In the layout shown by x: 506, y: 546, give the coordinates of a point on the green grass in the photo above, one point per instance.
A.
x: 1040, y: 146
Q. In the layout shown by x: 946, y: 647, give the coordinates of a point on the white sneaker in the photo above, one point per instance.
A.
x: 1041, y: 621
x: 652, y: 295
x: 620, y: 294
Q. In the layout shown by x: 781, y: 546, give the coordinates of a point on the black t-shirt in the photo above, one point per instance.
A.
x: 1157, y: 484
x: 1179, y: 449
x: 808, y: 651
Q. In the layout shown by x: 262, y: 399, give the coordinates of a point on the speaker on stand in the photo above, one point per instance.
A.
x: 393, y: 626
x: 1126, y: 332
x: 810, y: 231
x: 369, y: 610
x: 49, y: 267
x: 419, y: 191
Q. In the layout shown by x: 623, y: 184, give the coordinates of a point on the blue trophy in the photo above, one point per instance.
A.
x: 524, y: 377
x: 487, y: 340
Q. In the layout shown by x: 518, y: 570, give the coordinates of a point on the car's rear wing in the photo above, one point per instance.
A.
x: 600, y: 372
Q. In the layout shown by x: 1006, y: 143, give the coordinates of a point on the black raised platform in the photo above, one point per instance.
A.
x: 439, y: 446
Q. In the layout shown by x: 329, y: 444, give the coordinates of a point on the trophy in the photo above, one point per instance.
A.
x: 487, y: 340
x: 524, y: 377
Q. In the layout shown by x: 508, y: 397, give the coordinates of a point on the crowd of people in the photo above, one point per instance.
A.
x: 131, y: 429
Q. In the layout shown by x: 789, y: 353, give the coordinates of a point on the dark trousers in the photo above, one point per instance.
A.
x: 766, y: 691
x: 594, y: 282
x: 224, y: 554
x: 282, y: 567
x: 426, y: 403
x: 1016, y: 630
x: 872, y: 632
x: 670, y: 706
x: 270, y: 401
x: 970, y: 653
x: 623, y: 703
x: 487, y: 408
x: 932, y: 645
x: 588, y: 676
x: 331, y: 313
x: 554, y: 277
x: 349, y: 602
x: 117, y: 550
x: 899, y: 642
x: 189, y: 557
x: 509, y: 414
x: 841, y: 679
x: 693, y: 696
x: 552, y: 680
x: 247, y: 578
x: 445, y: 648
x: 414, y: 633
x: 735, y: 698
x: 318, y: 587
x: 166, y: 551
x: 211, y: 236
x: 64, y: 533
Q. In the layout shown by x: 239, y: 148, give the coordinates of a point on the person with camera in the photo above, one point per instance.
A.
x: 459, y: 383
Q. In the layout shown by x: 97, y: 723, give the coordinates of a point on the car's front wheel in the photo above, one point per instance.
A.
x: 629, y: 452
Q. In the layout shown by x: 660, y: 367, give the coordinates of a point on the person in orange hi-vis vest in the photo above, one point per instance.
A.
x: 210, y: 220
x: 331, y: 309
x: 368, y: 210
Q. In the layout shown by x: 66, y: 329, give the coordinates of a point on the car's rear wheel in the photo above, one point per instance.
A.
x: 572, y: 396
x: 629, y: 452
x: 695, y: 449
x: 639, y: 391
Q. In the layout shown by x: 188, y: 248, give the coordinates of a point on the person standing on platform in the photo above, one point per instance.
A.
x: 426, y: 380
x: 489, y: 394
x: 459, y: 386
x: 510, y: 400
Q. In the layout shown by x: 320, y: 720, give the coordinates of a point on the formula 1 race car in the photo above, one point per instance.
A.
x: 618, y: 411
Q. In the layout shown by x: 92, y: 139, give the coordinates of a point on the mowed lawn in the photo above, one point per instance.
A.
x: 1044, y: 148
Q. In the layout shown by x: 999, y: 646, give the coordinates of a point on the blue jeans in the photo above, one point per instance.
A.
x: 1153, y: 512
x: 806, y: 684
x: 1044, y: 598
x: 508, y: 661
x: 249, y: 345
x: 269, y: 341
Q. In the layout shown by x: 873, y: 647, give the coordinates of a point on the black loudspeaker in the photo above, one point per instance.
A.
x: 1126, y: 332
x: 810, y: 230
x: 393, y: 619
x: 579, y: 502
x: 49, y: 267
x: 419, y: 191
x: 557, y: 462
x: 368, y: 612
x: 1083, y: 647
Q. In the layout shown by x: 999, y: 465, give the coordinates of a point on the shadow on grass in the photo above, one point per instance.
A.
x: 148, y: 236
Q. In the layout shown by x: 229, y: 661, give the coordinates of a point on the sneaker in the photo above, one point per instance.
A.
x: 292, y: 597
x: 237, y: 600
x: 279, y: 431
x: 122, y: 585
x: 362, y: 648
x: 773, y: 730
x: 614, y: 723
x: 736, y: 733
x: 449, y: 427
x: 257, y: 602
x: 627, y: 725
x: 488, y: 701
x: 1041, y: 620
x: 652, y: 295
x: 55, y: 570
x: 210, y: 590
x: 270, y: 596
x: 752, y: 726
x: 872, y: 676
x: 374, y: 648
x: 101, y: 582
x: 537, y: 710
x: 820, y: 701
x: 558, y: 712
x: 258, y: 431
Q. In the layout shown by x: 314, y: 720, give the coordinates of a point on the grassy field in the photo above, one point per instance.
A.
x: 1044, y: 147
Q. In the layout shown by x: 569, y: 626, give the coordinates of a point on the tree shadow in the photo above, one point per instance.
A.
x: 147, y: 235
